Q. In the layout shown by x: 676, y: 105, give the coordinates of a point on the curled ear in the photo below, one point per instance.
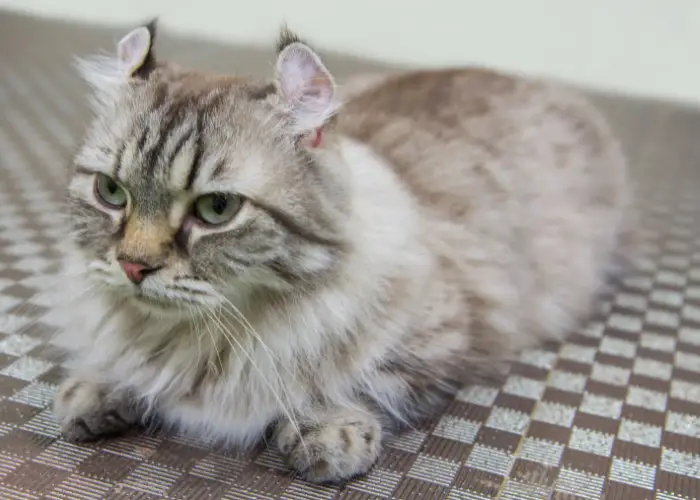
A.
x: 305, y: 86
x: 135, y: 51
x: 107, y: 74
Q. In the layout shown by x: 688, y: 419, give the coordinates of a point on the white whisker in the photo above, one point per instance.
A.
x: 288, y: 412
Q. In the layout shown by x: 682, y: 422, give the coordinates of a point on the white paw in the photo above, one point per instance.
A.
x: 332, y: 450
x: 85, y: 411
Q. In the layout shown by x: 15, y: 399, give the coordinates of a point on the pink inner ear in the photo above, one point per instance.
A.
x: 302, y: 77
x: 133, y: 49
x: 317, y: 137
x: 308, y: 90
x: 314, y: 139
x: 319, y: 87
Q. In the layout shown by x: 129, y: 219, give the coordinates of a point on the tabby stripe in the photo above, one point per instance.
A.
x: 118, y: 160
x: 83, y: 170
x: 214, y: 101
x: 179, y: 145
x: 282, y: 272
x: 294, y: 228
x: 141, y: 142
x: 239, y: 260
x: 218, y: 169
x: 150, y: 156
x: 180, y: 164
x: 198, y: 152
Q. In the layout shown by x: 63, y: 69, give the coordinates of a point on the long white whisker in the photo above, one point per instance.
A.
x: 287, y: 411
x: 195, y: 326
x: 215, y: 346
x: 241, y: 319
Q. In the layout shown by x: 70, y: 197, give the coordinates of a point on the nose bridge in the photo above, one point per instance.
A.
x: 145, y: 240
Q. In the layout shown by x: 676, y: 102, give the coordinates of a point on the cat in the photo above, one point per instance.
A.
x: 266, y: 255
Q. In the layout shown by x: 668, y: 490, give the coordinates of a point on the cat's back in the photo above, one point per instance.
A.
x: 429, y: 98
x: 459, y: 136
x: 522, y: 187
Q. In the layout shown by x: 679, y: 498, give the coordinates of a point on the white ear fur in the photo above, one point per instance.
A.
x: 108, y: 74
x: 306, y: 86
x: 133, y: 49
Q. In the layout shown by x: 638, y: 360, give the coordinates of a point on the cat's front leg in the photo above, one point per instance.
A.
x: 332, y: 446
x: 87, y: 410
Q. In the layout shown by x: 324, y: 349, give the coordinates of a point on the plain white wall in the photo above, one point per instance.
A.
x: 640, y: 47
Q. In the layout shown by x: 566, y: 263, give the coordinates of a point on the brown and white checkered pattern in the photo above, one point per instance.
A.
x: 614, y: 413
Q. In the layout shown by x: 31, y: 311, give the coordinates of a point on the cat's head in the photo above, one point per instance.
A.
x: 189, y: 186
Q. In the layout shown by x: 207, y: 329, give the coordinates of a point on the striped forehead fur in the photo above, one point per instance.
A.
x: 177, y: 126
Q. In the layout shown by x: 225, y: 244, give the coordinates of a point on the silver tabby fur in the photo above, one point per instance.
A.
x: 447, y: 220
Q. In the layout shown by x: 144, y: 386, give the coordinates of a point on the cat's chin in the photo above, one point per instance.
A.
x: 158, y: 306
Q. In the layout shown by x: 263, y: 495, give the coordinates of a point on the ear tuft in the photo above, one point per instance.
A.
x: 306, y: 87
x: 286, y: 38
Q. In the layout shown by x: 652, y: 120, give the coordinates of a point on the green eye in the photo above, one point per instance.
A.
x: 109, y: 192
x: 216, y: 208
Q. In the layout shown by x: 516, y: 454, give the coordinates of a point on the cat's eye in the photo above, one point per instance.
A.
x: 110, y: 192
x: 217, y: 208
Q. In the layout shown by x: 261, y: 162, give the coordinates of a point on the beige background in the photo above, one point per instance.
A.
x: 639, y: 47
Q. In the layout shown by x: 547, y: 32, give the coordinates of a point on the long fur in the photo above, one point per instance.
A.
x: 448, y: 220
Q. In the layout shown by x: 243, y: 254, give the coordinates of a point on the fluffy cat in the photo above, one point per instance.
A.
x: 266, y: 255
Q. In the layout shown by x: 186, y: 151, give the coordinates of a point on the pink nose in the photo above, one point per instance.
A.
x: 135, y: 272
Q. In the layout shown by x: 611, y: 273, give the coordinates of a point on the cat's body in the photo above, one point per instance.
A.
x: 441, y: 220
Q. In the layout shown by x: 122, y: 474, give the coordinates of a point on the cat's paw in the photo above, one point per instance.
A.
x: 333, y: 449
x: 85, y: 411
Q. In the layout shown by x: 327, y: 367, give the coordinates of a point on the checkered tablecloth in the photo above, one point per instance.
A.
x: 614, y: 413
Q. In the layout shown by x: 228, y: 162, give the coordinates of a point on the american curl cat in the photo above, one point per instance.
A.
x: 271, y: 257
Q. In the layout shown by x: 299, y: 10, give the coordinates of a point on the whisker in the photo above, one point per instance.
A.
x: 248, y: 327
x: 197, y: 333
x: 213, y: 340
x: 287, y: 411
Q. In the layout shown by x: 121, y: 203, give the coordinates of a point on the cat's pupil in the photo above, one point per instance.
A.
x: 111, y: 186
x: 218, y: 204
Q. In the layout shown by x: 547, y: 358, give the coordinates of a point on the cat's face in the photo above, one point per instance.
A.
x: 190, y: 188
